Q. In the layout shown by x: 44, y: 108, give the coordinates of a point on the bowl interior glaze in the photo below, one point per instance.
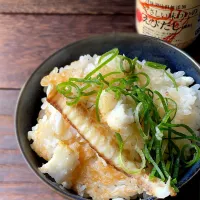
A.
x: 131, y: 45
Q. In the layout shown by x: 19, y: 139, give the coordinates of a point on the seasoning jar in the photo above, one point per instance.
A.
x: 174, y: 21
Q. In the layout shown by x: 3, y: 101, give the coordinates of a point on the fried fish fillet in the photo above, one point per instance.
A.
x: 97, y: 135
x: 55, y: 139
x: 73, y: 163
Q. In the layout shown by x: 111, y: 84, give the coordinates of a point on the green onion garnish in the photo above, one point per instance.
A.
x: 172, y: 79
x: 121, y: 162
x: 130, y: 63
x: 137, y: 120
x: 150, y: 159
x: 163, y: 100
x: 196, y: 154
x: 155, y: 65
x: 66, y: 89
x: 110, y: 54
x: 147, y: 78
x: 159, y: 133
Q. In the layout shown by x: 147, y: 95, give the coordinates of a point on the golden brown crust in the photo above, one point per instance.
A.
x: 53, y: 102
x: 58, y: 101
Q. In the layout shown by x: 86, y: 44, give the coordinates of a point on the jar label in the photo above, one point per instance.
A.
x: 176, y: 24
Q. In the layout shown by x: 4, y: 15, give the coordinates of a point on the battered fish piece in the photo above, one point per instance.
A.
x: 90, y: 174
x: 87, y: 129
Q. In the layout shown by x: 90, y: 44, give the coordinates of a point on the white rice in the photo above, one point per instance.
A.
x: 186, y: 97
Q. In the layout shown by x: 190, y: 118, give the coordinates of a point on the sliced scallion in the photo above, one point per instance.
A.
x: 196, y: 154
x: 155, y: 65
x: 121, y: 162
x: 172, y: 79
x: 111, y: 54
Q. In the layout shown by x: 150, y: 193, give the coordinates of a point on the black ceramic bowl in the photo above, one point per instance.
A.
x: 131, y: 45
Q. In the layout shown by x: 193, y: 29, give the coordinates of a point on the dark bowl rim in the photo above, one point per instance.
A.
x: 115, y: 34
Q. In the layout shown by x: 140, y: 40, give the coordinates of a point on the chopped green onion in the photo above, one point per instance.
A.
x: 158, y: 151
x: 176, y: 168
x: 180, y: 125
x: 89, y: 93
x: 175, y: 147
x: 64, y: 88
x: 165, y: 169
x: 150, y: 159
x: 172, y: 79
x: 181, y: 135
x: 163, y: 101
x: 131, y: 66
x: 88, y: 85
x: 82, y: 80
x: 168, y: 165
x: 196, y: 154
x: 137, y: 120
x: 152, y: 174
x: 134, y: 61
x: 150, y: 144
x: 197, y: 139
x: 147, y: 78
x: 155, y: 65
x: 164, y: 146
x: 159, y: 133
x: 112, y: 54
x: 175, y: 106
x: 167, y: 116
x: 139, y: 151
x: 69, y: 85
x: 174, y: 186
x: 100, y: 76
x: 150, y: 92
